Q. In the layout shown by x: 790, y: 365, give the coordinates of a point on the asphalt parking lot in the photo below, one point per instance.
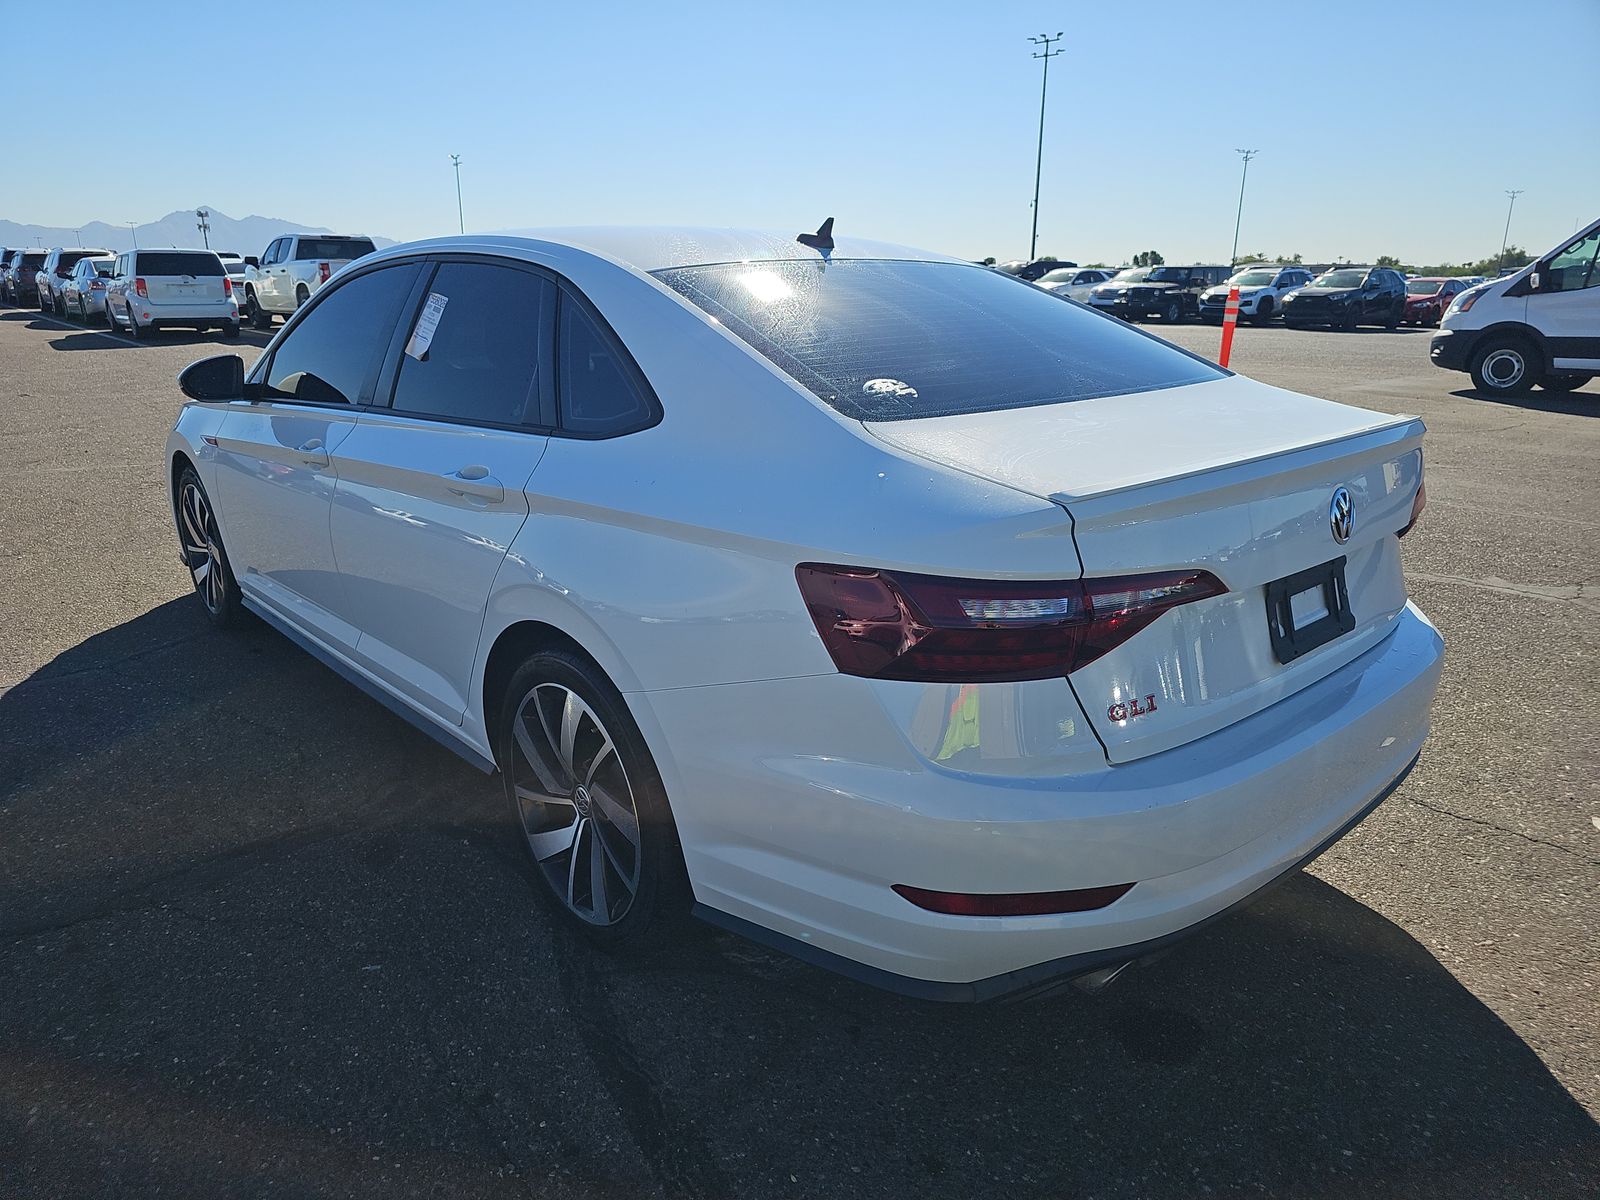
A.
x: 259, y: 938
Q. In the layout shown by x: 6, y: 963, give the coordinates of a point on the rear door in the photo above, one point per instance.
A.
x: 275, y: 465
x: 430, y: 491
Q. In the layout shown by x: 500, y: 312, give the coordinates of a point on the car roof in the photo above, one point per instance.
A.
x: 656, y: 248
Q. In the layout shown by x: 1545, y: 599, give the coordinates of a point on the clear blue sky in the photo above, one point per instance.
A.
x: 1383, y: 127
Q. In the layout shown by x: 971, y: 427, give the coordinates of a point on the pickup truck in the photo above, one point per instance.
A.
x: 291, y: 270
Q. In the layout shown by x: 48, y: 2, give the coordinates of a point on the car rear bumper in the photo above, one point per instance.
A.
x: 790, y: 835
x: 157, y: 316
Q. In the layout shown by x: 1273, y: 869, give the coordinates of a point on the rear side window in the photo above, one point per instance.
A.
x: 330, y: 354
x: 892, y: 341
x: 178, y: 262
x: 601, y: 395
x: 332, y: 248
x: 487, y: 359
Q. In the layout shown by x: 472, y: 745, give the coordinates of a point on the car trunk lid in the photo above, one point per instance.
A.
x: 1230, y: 476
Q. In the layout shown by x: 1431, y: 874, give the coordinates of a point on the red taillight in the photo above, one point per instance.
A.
x: 895, y: 625
x: 1013, y: 904
x: 138, y: 286
x: 322, y: 270
x: 97, y: 285
x: 227, y: 287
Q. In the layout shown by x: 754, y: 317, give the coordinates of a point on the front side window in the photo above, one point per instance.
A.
x: 888, y: 341
x: 329, y: 356
x: 600, y: 394
x: 1574, y: 268
x: 478, y: 349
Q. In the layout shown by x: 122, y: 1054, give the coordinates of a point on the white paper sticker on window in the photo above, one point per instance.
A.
x: 427, y: 323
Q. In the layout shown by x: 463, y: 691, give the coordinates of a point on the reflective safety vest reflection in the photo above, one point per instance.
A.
x: 961, y: 727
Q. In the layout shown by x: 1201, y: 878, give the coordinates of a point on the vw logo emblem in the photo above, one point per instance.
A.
x: 1342, y: 515
x: 580, y: 800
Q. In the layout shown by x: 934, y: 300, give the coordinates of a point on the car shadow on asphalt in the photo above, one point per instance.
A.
x: 1582, y: 403
x: 256, y: 933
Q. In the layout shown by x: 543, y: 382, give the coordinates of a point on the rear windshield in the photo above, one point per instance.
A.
x: 71, y: 258
x: 104, y: 266
x: 1423, y: 287
x: 33, y: 260
x: 333, y: 248
x: 891, y: 341
x: 178, y: 262
x: 234, y: 267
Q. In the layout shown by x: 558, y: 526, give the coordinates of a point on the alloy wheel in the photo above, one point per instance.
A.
x: 576, y: 803
x: 201, y: 552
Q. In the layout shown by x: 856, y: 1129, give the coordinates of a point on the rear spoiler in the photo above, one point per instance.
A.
x: 1392, y: 435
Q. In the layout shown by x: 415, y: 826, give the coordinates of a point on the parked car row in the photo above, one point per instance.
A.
x: 143, y: 290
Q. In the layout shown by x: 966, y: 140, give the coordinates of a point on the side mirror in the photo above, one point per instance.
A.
x: 1534, y: 282
x: 217, y: 378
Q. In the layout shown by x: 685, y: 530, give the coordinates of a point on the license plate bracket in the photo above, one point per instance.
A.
x: 1288, y: 642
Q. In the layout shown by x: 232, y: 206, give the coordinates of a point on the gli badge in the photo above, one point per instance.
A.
x: 1126, y: 712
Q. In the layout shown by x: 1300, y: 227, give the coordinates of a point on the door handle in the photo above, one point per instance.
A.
x: 476, y: 482
x: 313, y: 452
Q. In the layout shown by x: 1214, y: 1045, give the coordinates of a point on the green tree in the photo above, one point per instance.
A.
x: 1148, y: 258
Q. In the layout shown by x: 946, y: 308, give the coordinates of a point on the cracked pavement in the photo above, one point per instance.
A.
x: 259, y: 938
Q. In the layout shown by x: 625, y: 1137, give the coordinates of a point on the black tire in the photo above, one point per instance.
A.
x: 1288, y: 324
x: 134, y: 331
x: 203, y: 553
x: 230, y: 329
x: 1264, y: 311
x: 301, y: 295
x: 1506, y: 366
x: 1564, y: 383
x: 259, y: 317
x: 1172, y: 313
x: 1351, y: 320
x: 642, y: 885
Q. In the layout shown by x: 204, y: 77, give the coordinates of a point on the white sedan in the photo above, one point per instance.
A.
x: 876, y: 604
x: 1075, y: 282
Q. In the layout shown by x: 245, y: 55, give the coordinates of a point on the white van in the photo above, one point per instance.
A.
x: 1540, y: 325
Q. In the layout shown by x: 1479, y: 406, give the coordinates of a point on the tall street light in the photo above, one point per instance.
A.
x: 204, y: 225
x: 134, y: 233
x: 1247, y: 155
x: 461, y: 221
x: 1047, y: 54
x: 1505, y: 238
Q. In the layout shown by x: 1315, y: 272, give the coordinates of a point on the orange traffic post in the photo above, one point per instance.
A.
x: 1230, y: 318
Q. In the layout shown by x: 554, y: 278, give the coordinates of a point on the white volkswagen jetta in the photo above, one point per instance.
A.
x: 886, y: 608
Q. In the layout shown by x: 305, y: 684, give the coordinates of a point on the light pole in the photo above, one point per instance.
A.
x: 1505, y: 238
x: 1247, y: 155
x: 461, y: 221
x: 205, y: 226
x: 133, y: 233
x: 1047, y: 54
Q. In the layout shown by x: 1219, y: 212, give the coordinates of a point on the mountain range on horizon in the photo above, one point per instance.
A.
x: 242, y: 235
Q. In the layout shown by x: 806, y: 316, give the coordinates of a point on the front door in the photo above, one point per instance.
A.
x: 431, y: 489
x: 1566, y: 306
x: 276, y: 455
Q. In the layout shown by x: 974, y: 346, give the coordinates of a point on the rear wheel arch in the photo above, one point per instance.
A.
x: 513, y: 645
